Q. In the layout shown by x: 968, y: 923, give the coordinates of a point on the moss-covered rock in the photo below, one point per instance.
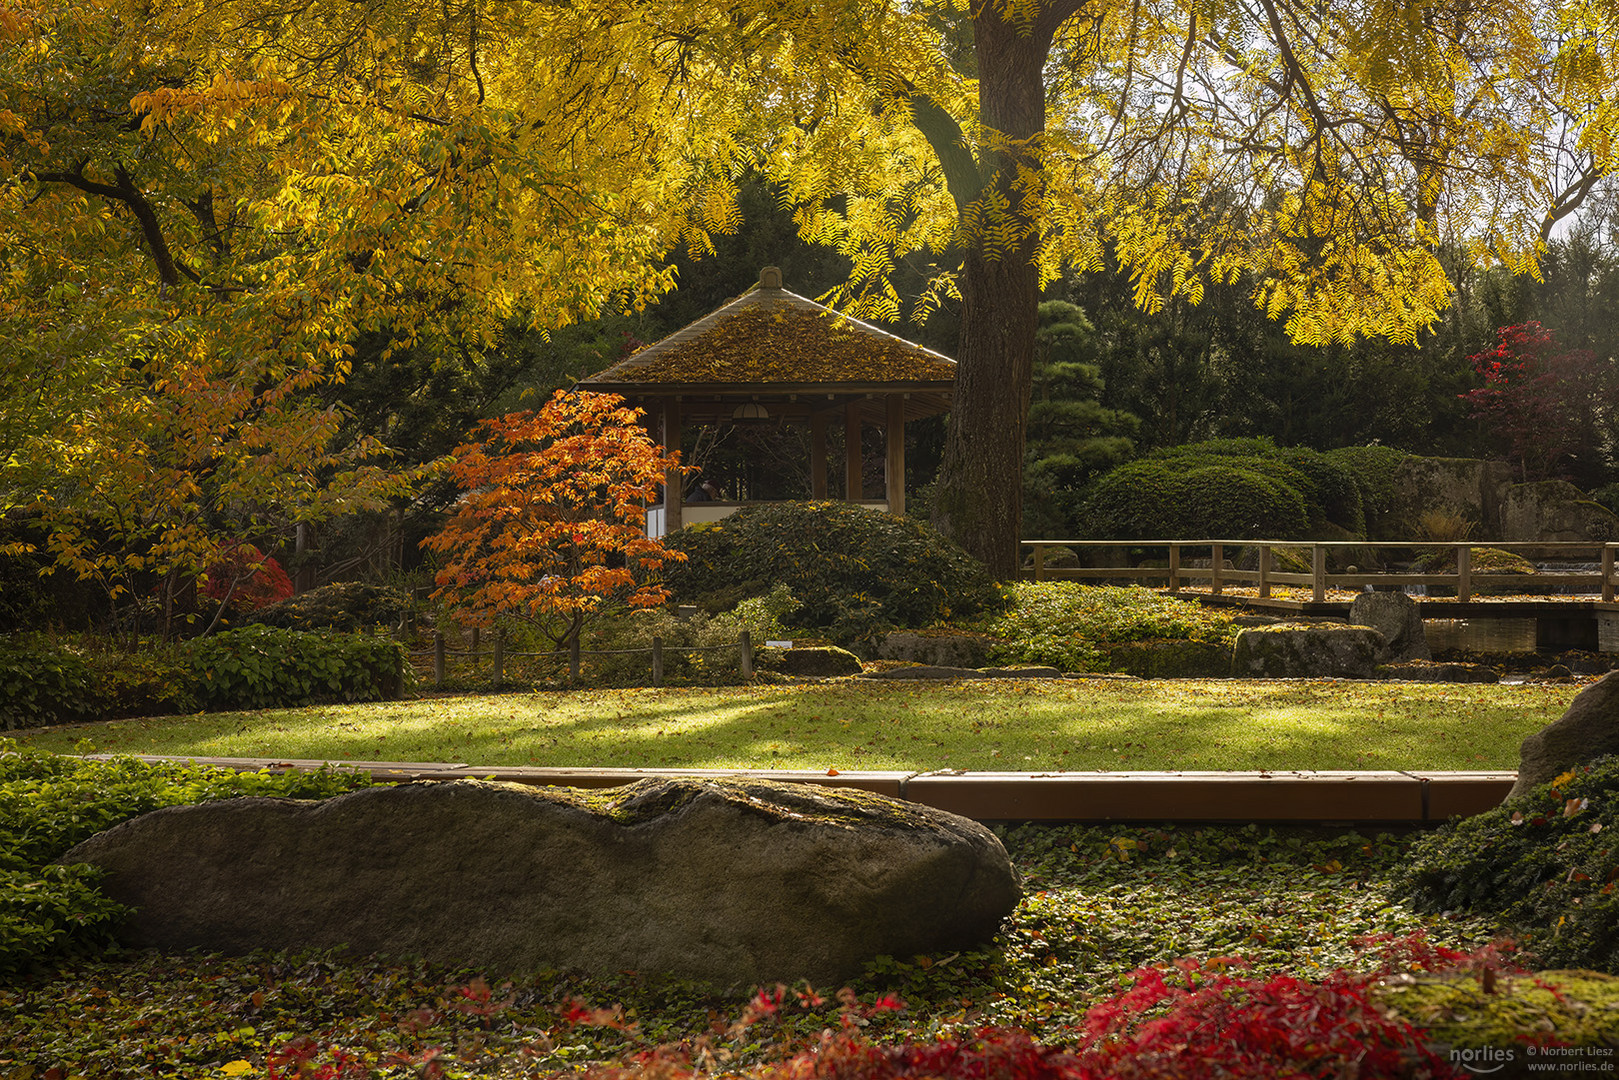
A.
x: 1306, y: 651
x: 1509, y: 1012
x: 1170, y: 659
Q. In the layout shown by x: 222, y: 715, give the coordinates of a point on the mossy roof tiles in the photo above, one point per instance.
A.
x: 773, y: 336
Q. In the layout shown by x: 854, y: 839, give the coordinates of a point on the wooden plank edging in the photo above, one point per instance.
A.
x: 1389, y: 797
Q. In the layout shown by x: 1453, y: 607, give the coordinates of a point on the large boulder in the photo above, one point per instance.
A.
x: 1555, y: 510
x: 1306, y: 651
x: 1398, y: 618
x: 733, y: 883
x: 1587, y: 730
x: 939, y: 650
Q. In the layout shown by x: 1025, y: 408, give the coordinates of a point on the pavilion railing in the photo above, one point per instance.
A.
x: 1209, y: 568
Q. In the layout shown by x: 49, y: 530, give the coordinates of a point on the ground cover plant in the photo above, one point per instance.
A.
x: 50, y: 802
x: 1547, y: 864
x: 1072, y: 627
x: 1270, y: 915
x: 1071, y: 724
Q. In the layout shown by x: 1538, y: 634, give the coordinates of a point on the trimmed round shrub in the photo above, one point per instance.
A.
x: 1373, y: 469
x: 1163, y: 499
x: 856, y: 572
x: 1546, y: 864
x: 1328, y: 488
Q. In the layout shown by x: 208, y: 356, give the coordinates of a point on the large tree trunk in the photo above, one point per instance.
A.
x: 980, y: 488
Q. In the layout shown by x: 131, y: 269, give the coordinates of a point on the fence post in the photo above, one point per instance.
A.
x: 473, y: 648
x: 1464, y: 573
x: 657, y: 660
x: 573, y: 657
x: 438, y: 658
x: 1607, y: 573
x: 1318, y: 573
x: 1174, y: 569
x: 500, y: 657
x: 1264, y: 570
x: 1216, y: 564
x: 744, y: 662
x: 1039, y: 562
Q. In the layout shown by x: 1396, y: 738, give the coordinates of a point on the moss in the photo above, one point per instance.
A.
x: 647, y: 800
x: 1573, y: 1007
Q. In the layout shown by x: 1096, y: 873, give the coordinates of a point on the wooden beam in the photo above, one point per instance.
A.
x: 853, y: 484
x: 674, y: 483
x: 894, y: 463
x: 818, y: 456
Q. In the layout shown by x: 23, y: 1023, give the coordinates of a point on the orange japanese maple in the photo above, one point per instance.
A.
x: 550, y: 528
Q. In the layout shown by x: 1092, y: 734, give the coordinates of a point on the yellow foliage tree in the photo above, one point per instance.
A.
x: 295, y: 172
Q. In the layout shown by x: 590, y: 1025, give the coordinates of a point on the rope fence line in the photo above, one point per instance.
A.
x: 498, y: 654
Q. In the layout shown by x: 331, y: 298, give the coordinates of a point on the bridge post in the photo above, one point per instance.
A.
x: 1216, y: 561
x: 1264, y: 571
x: 1464, y: 573
x: 1607, y: 573
x: 1174, y: 569
x: 1318, y: 574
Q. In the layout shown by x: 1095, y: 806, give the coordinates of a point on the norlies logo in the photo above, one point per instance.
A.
x: 1483, y: 1060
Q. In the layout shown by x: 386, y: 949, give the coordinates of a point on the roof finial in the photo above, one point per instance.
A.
x: 770, y: 277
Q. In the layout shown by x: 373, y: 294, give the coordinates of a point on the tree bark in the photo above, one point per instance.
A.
x: 980, y: 488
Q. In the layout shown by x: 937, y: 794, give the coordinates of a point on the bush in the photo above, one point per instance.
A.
x: 41, y: 683
x: 760, y: 616
x: 1373, y: 469
x: 1073, y: 627
x: 857, y: 572
x: 261, y: 667
x: 156, y: 681
x: 1164, y: 499
x: 342, y: 605
x: 1547, y: 864
x: 49, y: 803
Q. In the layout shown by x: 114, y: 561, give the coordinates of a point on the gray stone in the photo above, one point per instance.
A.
x: 819, y: 660
x: 1587, y: 730
x: 942, y: 650
x: 1398, y: 618
x: 1555, y: 510
x: 1171, y: 659
x: 1313, y: 651
x: 732, y: 883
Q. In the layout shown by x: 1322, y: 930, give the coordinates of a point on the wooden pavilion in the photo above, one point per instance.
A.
x: 771, y: 354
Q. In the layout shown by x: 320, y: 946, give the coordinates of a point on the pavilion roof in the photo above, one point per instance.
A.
x: 772, y: 339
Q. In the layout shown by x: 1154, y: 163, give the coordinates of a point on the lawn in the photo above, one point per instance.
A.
x: 994, y: 725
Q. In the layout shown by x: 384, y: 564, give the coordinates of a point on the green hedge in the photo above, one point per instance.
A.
x: 854, y: 571
x: 342, y: 605
x: 1546, y: 864
x: 43, y: 682
x: 260, y: 667
x: 49, y: 803
x: 1165, y: 499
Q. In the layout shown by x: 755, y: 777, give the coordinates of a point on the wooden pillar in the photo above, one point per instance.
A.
x: 818, y: 455
x: 853, y: 484
x: 894, y: 463
x: 674, y: 483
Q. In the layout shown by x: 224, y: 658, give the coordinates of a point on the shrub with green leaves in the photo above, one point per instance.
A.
x: 155, y: 681
x: 1169, y: 499
x: 260, y: 667
x: 342, y: 605
x: 1072, y: 626
x: 1547, y: 863
x: 42, y: 682
x: 857, y: 572
x: 49, y: 803
x: 1373, y: 469
x: 1228, y: 488
x: 697, y: 649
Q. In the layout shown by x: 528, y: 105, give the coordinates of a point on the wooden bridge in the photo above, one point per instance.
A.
x: 1572, y: 608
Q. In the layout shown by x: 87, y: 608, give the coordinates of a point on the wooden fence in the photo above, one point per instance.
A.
x: 1211, y: 570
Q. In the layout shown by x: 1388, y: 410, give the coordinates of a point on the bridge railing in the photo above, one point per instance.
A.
x: 1180, y: 571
